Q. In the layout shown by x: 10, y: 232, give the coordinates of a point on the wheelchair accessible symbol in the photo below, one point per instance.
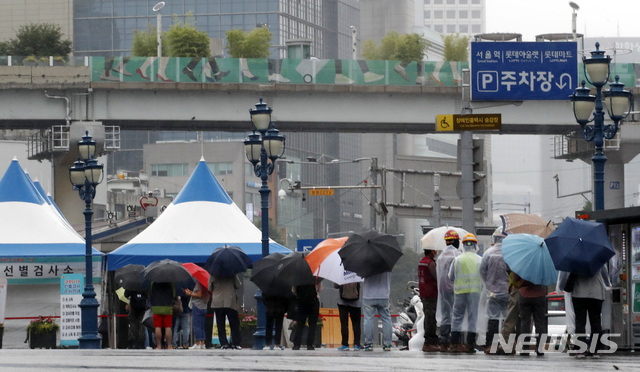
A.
x: 444, y: 123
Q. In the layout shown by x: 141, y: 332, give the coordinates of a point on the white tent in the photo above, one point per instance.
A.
x: 37, y: 246
x: 200, y: 219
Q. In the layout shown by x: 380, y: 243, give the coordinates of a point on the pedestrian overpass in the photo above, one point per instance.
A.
x: 306, y: 95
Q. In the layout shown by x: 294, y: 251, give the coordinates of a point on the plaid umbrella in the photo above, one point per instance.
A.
x: 518, y: 223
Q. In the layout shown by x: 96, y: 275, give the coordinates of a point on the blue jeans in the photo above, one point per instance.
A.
x: 371, y: 307
x: 181, y: 321
x: 198, y: 323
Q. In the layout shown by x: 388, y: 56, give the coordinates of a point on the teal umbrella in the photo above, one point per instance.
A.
x: 528, y: 256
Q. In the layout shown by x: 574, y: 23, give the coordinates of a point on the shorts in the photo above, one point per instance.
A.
x: 162, y: 320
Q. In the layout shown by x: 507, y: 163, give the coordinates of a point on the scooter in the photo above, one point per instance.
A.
x: 410, y: 320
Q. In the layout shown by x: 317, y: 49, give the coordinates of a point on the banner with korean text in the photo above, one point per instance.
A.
x: 71, y: 287
x: 45, y: 270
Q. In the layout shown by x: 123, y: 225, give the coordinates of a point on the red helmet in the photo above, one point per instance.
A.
x: 451, y: 235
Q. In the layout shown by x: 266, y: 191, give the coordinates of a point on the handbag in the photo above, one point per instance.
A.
x: 568, y: 287
x: 147, y: 319
x: 177, y: 307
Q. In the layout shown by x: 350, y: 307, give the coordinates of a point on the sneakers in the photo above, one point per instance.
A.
x: 194, y: 347
x: 368, y: 347
x: 268, y: 347
x: 595, y: 356
x: 356, y: 348
x: 236, y: 347
x: 386, y: 348
x: 402, y: 71
x: 344, y: 348
x: 581, y: 355
x: 225, y: 347
x: 279, y: 347
x: 341, y: 79
x: 370, y: 77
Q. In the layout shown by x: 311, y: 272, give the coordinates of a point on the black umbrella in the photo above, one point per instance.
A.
x: 227, y: 261
x: 166, y: 271
x: 277, y: 273
x: 130, y: 277
x: 370, y: 253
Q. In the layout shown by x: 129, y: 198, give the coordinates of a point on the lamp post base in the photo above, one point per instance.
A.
x: 90, y: 338
x: 259, y: 341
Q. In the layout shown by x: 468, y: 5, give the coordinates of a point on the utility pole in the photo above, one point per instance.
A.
x: 437, y: 201
x: 374, y: 192
x: 466, y: 158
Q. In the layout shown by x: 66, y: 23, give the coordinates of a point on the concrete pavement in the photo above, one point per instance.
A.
x: 319, y: 360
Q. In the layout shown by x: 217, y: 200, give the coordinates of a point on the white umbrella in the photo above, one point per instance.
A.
x: 434, y: 239
x: 332, y: 269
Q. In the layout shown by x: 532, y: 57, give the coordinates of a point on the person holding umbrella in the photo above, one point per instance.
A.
x: 587, y: 296
x: 493, y: 271
x: 307, y: 297
x: 225, y: 304
x: 161, y: 297
x: 275, y: 308
x: 467, y: 285
x: 428, y: 287
x: 372, y: 255
x: 445, y: 286
x: 198, y: 304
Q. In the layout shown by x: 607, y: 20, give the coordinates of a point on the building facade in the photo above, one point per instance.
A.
x: 105, y: 27
x: 465, y: 17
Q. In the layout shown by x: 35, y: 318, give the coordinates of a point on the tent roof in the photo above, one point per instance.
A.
x: 30, y: 226
x: 200, y: 219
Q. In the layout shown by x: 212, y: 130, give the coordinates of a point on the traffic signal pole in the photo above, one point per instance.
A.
x: 466, y: 158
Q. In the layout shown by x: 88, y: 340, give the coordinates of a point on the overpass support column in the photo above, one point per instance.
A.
x: 614, y: 184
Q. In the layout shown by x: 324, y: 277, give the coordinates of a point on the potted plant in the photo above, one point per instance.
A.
x: 41, y: 333
x: 248, y: 324
x: 30, y: 61
x: 58, y: 61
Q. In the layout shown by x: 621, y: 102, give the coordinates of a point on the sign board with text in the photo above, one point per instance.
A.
x: 322, y: 192
x: 71, y: 287
x: 472, y: 122
x: 45, y: 270
x: 519, y: 71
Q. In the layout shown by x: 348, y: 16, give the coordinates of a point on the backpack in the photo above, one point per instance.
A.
x: 138, y: 301
x: 350, y: 291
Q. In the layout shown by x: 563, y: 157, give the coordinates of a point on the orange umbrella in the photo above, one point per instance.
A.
x: 322, y: 251
x: 200, y: 274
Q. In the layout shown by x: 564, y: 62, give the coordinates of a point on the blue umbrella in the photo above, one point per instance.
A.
x: 580, y: 247
x: 227, y: 261
x: 528, y: 256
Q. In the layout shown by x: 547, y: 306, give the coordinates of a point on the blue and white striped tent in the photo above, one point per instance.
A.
x: 200, y: 219
x: 31, y: 225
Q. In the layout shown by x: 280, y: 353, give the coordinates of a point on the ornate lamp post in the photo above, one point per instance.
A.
x: 85, y: 175
x: 617, y: 102
x: 264, y: 144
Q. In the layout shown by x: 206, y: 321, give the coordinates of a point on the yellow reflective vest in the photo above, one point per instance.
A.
x: 467, y: 278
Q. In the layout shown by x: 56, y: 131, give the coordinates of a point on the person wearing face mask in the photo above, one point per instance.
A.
x: 467, y: 285
x: 428, y: 286
x: 445, y: 286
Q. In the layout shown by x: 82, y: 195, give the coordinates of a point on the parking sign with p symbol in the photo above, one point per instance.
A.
x: 487, y: 81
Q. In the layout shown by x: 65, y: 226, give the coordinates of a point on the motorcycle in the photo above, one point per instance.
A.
x: 410, y: 321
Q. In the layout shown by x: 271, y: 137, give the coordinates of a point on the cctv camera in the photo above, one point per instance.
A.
x: 282, y: 194
x: 353, y: 30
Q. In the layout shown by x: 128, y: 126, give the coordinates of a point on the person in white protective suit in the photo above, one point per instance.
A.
x: 495, y: 276
x: 467, y: 285
x: 445, y: 287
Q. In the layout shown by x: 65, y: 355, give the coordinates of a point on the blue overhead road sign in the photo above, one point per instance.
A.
x: 519, y: 71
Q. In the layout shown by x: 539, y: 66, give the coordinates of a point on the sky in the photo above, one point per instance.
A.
x: 608, y: 18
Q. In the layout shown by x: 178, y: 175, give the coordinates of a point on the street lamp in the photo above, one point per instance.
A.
x: 617, y: 102
x: 85, y: 175
x: 264, y: 144
x: 156, y: 8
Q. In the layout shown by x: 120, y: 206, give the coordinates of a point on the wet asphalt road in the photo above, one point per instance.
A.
x: 320, y: 360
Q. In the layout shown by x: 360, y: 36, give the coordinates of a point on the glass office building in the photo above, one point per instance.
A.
x: 105, y: 27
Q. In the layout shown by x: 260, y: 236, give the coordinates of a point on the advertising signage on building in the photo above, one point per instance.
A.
x: 519, y: 71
